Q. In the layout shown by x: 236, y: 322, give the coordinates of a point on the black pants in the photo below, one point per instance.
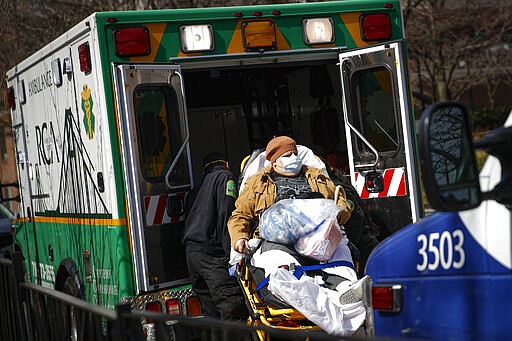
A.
x: 220, y: 294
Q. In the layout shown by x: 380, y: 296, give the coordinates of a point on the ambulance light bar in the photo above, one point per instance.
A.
x: 196, y: 38
x: 132, y: 41
x: 375, y: 27
x: 318, y: 31
x: 387, y: 297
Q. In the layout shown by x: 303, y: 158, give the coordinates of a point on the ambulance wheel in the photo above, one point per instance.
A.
x: 69, y: 287
x: 68, y: 281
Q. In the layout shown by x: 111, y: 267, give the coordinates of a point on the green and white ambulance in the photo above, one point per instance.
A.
x: 112, y: 118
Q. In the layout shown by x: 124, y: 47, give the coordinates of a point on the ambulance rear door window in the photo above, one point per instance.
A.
x: 158, y: 127
x: 377, y: 119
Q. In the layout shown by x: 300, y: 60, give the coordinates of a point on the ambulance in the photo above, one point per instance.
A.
x: 112, y: 119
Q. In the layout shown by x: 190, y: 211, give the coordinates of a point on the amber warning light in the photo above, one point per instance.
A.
x: 132, y: 41
x: 259, y: 35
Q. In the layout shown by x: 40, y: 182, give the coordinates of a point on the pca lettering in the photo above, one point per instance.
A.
x: 46, y: 144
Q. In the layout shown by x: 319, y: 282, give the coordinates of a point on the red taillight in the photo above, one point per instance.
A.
x: 375, y: 27
x: 387, y: 297
x: 132, y: 41
x: 173, y: 307
x: 154, y: 306
x: 84, y: 56
x: 10, y: 97
x: 193, y: 306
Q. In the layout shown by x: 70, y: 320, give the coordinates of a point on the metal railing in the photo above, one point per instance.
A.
x: 32, y: 312
x: 12, y: 325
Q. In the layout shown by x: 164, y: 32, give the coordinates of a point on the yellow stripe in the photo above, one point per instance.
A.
x: 75, y: 221
x: 156, y: 32
x: 351, y: 21
x: 236, y: 45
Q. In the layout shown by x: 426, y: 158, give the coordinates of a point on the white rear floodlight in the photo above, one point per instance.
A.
x: 195, y: 38
x: 318, y: 31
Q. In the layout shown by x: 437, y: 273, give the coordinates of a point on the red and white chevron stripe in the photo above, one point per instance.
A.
x: 156, y: 212
x: 394, y: 184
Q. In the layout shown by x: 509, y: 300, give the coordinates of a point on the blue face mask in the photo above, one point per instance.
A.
x: 291, y: 164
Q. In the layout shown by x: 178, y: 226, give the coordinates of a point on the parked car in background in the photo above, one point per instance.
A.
x: 6, y: 217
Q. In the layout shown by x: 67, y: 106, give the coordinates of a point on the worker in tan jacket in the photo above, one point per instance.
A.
x: 285, y: 178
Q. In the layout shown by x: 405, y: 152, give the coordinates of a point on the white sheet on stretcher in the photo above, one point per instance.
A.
x: 318, y: 304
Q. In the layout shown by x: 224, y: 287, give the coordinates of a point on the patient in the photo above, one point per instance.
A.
x: 287, y: 178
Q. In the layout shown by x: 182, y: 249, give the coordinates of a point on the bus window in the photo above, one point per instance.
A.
x: 377, y: 121
x: 158, y: 129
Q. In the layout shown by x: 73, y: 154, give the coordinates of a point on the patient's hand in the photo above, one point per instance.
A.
x: 242, y: 245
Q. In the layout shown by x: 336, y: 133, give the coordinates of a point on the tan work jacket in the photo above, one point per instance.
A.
x: 260, y: 192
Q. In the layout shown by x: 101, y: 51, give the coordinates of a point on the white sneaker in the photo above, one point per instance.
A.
x: 359, y: 290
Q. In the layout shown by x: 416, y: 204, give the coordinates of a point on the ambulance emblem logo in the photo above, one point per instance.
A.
x: 89, y: 119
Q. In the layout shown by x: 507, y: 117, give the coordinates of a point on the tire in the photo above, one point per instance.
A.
x: 69, y: 287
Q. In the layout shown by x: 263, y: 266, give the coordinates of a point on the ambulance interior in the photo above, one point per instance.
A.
x: 237, y: 109
x: 252, y: 104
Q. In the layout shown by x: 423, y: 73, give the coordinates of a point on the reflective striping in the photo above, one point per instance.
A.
x: 156, y: 210
x: 394, y: 184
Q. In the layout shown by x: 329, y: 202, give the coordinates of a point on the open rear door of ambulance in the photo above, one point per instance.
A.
x: 380, y: 133
x: 155, y: 151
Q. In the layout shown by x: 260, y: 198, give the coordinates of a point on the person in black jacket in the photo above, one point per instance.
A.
x: 207, y: 242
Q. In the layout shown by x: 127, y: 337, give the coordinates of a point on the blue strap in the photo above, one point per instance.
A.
x: 262, y: 284
x: 299, y: 271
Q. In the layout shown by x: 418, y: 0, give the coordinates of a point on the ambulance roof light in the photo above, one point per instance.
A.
x: 197, y: 38
x: 259, y: 35
x: 318, y: 31
x: 10, y: 97
x: 85, y: 57
x: 375, y: 27
x: 132, y: 41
